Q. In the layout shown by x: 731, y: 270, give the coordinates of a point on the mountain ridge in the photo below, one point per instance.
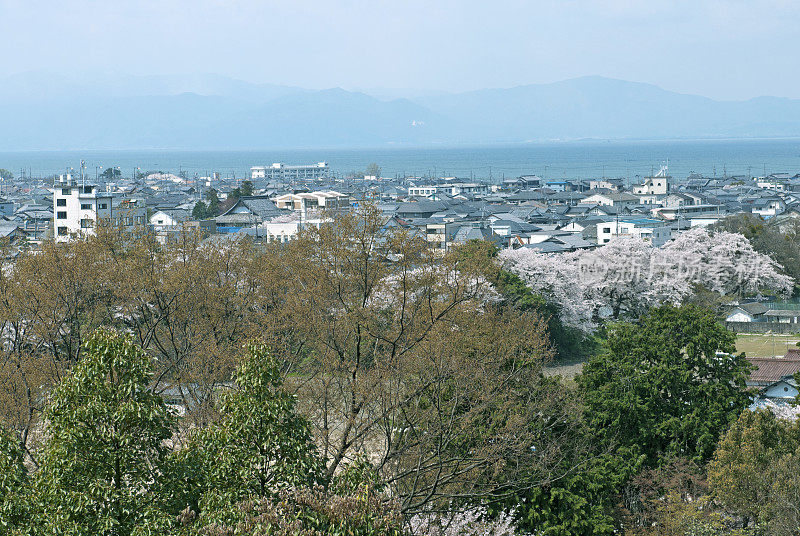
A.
x: 44, y: 111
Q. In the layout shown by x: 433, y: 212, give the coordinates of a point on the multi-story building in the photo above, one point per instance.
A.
x: 280, y: 171
x: 313, y: 200
x: 77, y: 209
x: 452, y: 189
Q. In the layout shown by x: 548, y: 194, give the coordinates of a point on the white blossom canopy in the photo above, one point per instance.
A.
x: 627, y: 276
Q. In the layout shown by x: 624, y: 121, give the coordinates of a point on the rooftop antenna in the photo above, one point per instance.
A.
x: 83, y: 175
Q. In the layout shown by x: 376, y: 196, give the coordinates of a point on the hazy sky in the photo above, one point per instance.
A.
x: 722, y: 49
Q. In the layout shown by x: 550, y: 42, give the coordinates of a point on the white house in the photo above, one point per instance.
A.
x: 603, y: 184
x: 646, y: 229
x: 616, y: 199
x: 286, y: 228
x: 746, y: 312
x: 653, y: 186
x: 166, y: 218
x: 766, y: 208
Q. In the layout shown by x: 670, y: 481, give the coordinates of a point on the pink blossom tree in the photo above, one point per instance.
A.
x: 627, y: 276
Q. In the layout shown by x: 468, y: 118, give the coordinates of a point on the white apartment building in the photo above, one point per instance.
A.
x: 653, y: 231
x: 281, y: 171
x: 454, y: 188
x: 312, y: 200
x: 77, y: 209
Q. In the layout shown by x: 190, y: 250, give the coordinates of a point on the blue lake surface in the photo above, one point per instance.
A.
x: 554, y: 160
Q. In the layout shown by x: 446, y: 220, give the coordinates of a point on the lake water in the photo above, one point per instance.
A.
x: 553, y: 160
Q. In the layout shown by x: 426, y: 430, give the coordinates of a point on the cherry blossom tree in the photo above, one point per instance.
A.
x: 726, y: 263
x: 627, y: 276
x: 557, y: 279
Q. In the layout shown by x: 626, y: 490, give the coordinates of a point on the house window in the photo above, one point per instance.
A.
x: 65, y: 191
x: 88, y: 189
x: 103, y: 206
x: 62, y: 231
x: 61, y: 215
x: 606, y: 229
x: 61, y: 202
x: 86, y: 223
x: 86, y: 206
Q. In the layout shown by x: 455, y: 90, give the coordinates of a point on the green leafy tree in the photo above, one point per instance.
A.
x: 570, y: 343
x: 246, y: 188
x: 213, y: 202
x: 243, y: 190
x: 14, y: 480
x: 111, y: 173
x: 258, y: 471
x: 755, y: 471
x: 259, y: 445
x: 373, y: 170
x: 582, y: 496
x: 671, y: 383
x: 200, y: 211
x: 105, y: 446
x: 6, y: 175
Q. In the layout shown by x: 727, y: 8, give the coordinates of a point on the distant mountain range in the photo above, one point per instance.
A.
x: 117, y: 111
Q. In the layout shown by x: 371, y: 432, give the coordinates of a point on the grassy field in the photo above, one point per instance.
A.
x: 751, y: 345
x: 765, y: 345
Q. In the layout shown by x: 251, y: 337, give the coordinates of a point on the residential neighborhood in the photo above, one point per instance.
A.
x: 525, y: 212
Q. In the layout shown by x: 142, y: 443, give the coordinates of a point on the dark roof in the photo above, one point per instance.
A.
x: 421, y: 208
x: 466, y: 233
x: 772, y: 369
x: 259, y: 205
x: 548, y: 247
x: 754, y: 308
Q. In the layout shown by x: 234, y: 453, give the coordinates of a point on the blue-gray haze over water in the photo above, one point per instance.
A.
x: 577, y: 159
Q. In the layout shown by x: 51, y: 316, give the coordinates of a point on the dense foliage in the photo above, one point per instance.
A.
x: 756, y: 472
x: 393, y: 389
x: 14, y: 509
x: 668, y: 384
x: 105, y: 448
